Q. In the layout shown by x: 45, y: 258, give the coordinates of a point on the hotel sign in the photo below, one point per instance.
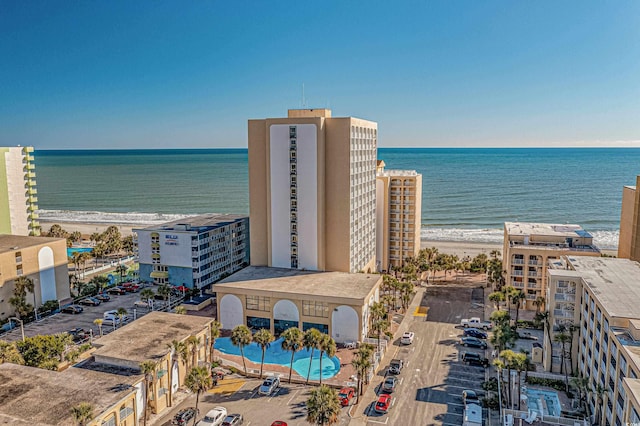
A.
x: 171, y: 240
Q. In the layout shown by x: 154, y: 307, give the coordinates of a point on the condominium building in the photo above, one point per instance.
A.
x: 599, y: 297
x: 629, y: 238
x: 528, y: 247
x: 18, y: 192
x: 194, y: 252
x: 398, y: 215
x: 43, y: 260
x: 312, y: 191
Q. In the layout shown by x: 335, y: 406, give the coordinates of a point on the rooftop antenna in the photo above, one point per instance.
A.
x: 304, y: 102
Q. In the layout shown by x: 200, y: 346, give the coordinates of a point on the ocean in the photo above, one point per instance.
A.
x: 468, y: 193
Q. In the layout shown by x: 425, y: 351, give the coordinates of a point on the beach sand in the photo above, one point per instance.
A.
x: 86, y: 229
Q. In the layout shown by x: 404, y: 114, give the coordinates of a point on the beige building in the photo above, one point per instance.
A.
x: 399, y: 215
x: 629, y: 241
x: 312, y: 191
x: 18, y: 194
x: 335, y: 303
x: 44, y: 260
x: 599, y: 296
x: 529, y: 247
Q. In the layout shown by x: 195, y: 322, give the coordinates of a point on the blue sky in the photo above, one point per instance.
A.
x: 123, y: 74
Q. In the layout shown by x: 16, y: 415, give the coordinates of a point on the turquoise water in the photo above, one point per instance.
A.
x: 72, y: 250
x: 550, y: 397
x: 467, y: 193
x: 275, y: 355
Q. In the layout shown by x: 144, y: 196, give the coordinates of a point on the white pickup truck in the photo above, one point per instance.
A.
x: 475, y: 322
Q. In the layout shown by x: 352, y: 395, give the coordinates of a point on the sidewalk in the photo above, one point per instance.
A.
x: 358, y: 417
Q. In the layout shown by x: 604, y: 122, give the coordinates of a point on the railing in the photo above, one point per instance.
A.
x: 517, y: 262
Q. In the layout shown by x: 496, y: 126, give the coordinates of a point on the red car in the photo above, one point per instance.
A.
x: 346, y: 396
x: 130, y: 287
x: 278, y: 423
x: 383, y: 404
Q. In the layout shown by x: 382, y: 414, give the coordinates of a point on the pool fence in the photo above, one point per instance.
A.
x: 520, y: 416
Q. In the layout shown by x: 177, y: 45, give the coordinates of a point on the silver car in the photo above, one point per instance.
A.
x: 269, y: 385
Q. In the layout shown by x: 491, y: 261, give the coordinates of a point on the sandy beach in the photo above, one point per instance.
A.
x: 86, y: 229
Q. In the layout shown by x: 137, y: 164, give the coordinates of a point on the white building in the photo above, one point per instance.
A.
x: 18, y: 192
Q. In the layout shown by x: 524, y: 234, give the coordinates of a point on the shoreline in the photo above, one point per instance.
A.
x: 459, y: 248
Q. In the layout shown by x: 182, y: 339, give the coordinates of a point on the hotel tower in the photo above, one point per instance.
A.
x: 312, y: 191
x: 18, y: 192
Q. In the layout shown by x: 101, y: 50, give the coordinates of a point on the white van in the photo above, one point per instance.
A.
x: 112, y: 317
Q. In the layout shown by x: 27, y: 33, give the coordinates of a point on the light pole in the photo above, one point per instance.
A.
x: 21, y: 325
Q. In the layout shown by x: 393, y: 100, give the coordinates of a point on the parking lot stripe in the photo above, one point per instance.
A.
x: 292, y: 396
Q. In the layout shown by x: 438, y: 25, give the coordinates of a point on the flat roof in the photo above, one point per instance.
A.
x: 148, y: 337
x: 209, y: 220
x: 17, y: 242
x: 34, y: 396
x: 550, y: 229
x: 634, y: 387
x: 399, y: 173
x: 614, y: 282
x: 285, y: 282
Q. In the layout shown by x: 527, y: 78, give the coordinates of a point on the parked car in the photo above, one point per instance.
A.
x: 103, y: 297
x: 141, y: 304
x: 474, y: 332
x: 470, y: 397
x: 526, y: 335
x: 395, y: 366
x: 473, y: 358
x: 78, y: 334
x: 113, y: 317
x: 346, y: 396
x: 473, y: 342
x: 279, y: 423
x: 269, y: 385
x: 116, y: 290
x: 214, y: 417
x: 476, y: 322
x: 183, y: 416
x: 90, y: 301
x: 383, y: 404
x: 407, y: 338
x: 130, y: 287
x: 72, y: 309
x: 233, y: 420
x: 389, y: 384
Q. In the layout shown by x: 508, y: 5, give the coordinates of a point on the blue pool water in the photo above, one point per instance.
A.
x: 275, y: 355
x: 551, y: 399
x: 72, y: 250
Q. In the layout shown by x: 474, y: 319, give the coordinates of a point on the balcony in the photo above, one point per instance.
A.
x: 32, y: 199
x: 30, y: 175
x: 32, y: 191
x: 561, y: 313
x: 561, y: 297
x: 517, y: 273
x: 517, y: 284
x: 33, y: 216
x: 517, y: 262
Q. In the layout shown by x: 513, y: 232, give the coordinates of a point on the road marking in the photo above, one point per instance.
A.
x: 421, y: 311
x: 455, y: 403
x: 292, y: 396
x: 274, y: 394
x: 376, y: 421
x: 401, y: 380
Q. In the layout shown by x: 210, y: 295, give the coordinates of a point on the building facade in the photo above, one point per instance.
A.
x: 398, y: 216
x: 528, y: 249
x: 18, y: 194
x: 629, y: 241
x: 43, y: 260
x: 312, y: 191
x: 596, y: 301
x: 195, y: 252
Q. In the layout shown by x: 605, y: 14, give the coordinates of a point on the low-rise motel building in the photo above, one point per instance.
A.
x: 335, y: 303
x: 111, y: 380
x: 43, y: 260
x: 596, y: 300
x: 529, y: 247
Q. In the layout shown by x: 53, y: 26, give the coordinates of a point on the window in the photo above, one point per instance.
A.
x: 111, y: 421
x: 125, y: 412
x: 258, y: 303
x: 315, y: 309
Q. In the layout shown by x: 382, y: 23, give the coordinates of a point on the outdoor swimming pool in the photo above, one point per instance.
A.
x: 275, y: 355
x: 552, y: 402
x: 72, y: 250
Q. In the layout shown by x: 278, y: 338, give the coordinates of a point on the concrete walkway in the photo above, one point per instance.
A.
x: 358, y: 416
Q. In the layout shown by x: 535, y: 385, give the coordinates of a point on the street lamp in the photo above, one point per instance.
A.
x: 21, y: 325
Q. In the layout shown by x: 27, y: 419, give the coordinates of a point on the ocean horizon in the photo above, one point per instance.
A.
x: 468, y: 193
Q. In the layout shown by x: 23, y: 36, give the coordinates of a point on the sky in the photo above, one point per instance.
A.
x: 174, y: 74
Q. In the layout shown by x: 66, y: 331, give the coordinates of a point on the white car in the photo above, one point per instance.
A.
x: 269, y: 385
x: 407, y: 338
x: 214, y: 417
x: 141, y: 304
x: 111, y: 317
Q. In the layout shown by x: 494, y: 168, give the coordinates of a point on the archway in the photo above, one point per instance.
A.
x: 231, y: 312
x: 345, y: 324
x: 285, y: 315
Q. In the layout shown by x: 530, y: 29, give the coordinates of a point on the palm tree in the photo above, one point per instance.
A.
x: 165, y: 291
x: 180, y: 310
x: 497, y: 297
x: 520, y: 364
x: 516, y: 297
x: 241, y: 337
x: 197, y: 381
x: 148, y: 369
x: 539, y: 303
x: 563, y: 338
x: 310, y: 342
x: 121, y: 313
x: 9, y: 353
x: 82, y: 413
x: 508, y: 357
x: 599, y: 391
x: 572, y: 328
x: 193, y: 343
x: 263, y: 338
x: 98, y: 322
x: 323, y: 406
x: 362, y: 363
x: 327, y: 346
x: 214, y: 333
x: 178, y: 353
x: 581, y: 384
x: 121, y: 269
x: 147, y: 295
x: 291, y: 341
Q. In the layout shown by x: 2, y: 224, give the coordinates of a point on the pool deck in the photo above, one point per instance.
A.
x: 565, y: 403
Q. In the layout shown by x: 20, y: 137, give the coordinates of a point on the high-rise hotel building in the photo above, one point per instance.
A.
x: 312, y: 190
x: 18, y: 192
x: 399, y: 215
x: 629, y: 239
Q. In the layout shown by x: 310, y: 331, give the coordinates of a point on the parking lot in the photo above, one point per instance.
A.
x: 62, y: 322
x: 287, y: 403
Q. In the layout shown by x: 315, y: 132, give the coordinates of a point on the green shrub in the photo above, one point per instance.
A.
x: 529, y: 324
x: 552, y: 383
